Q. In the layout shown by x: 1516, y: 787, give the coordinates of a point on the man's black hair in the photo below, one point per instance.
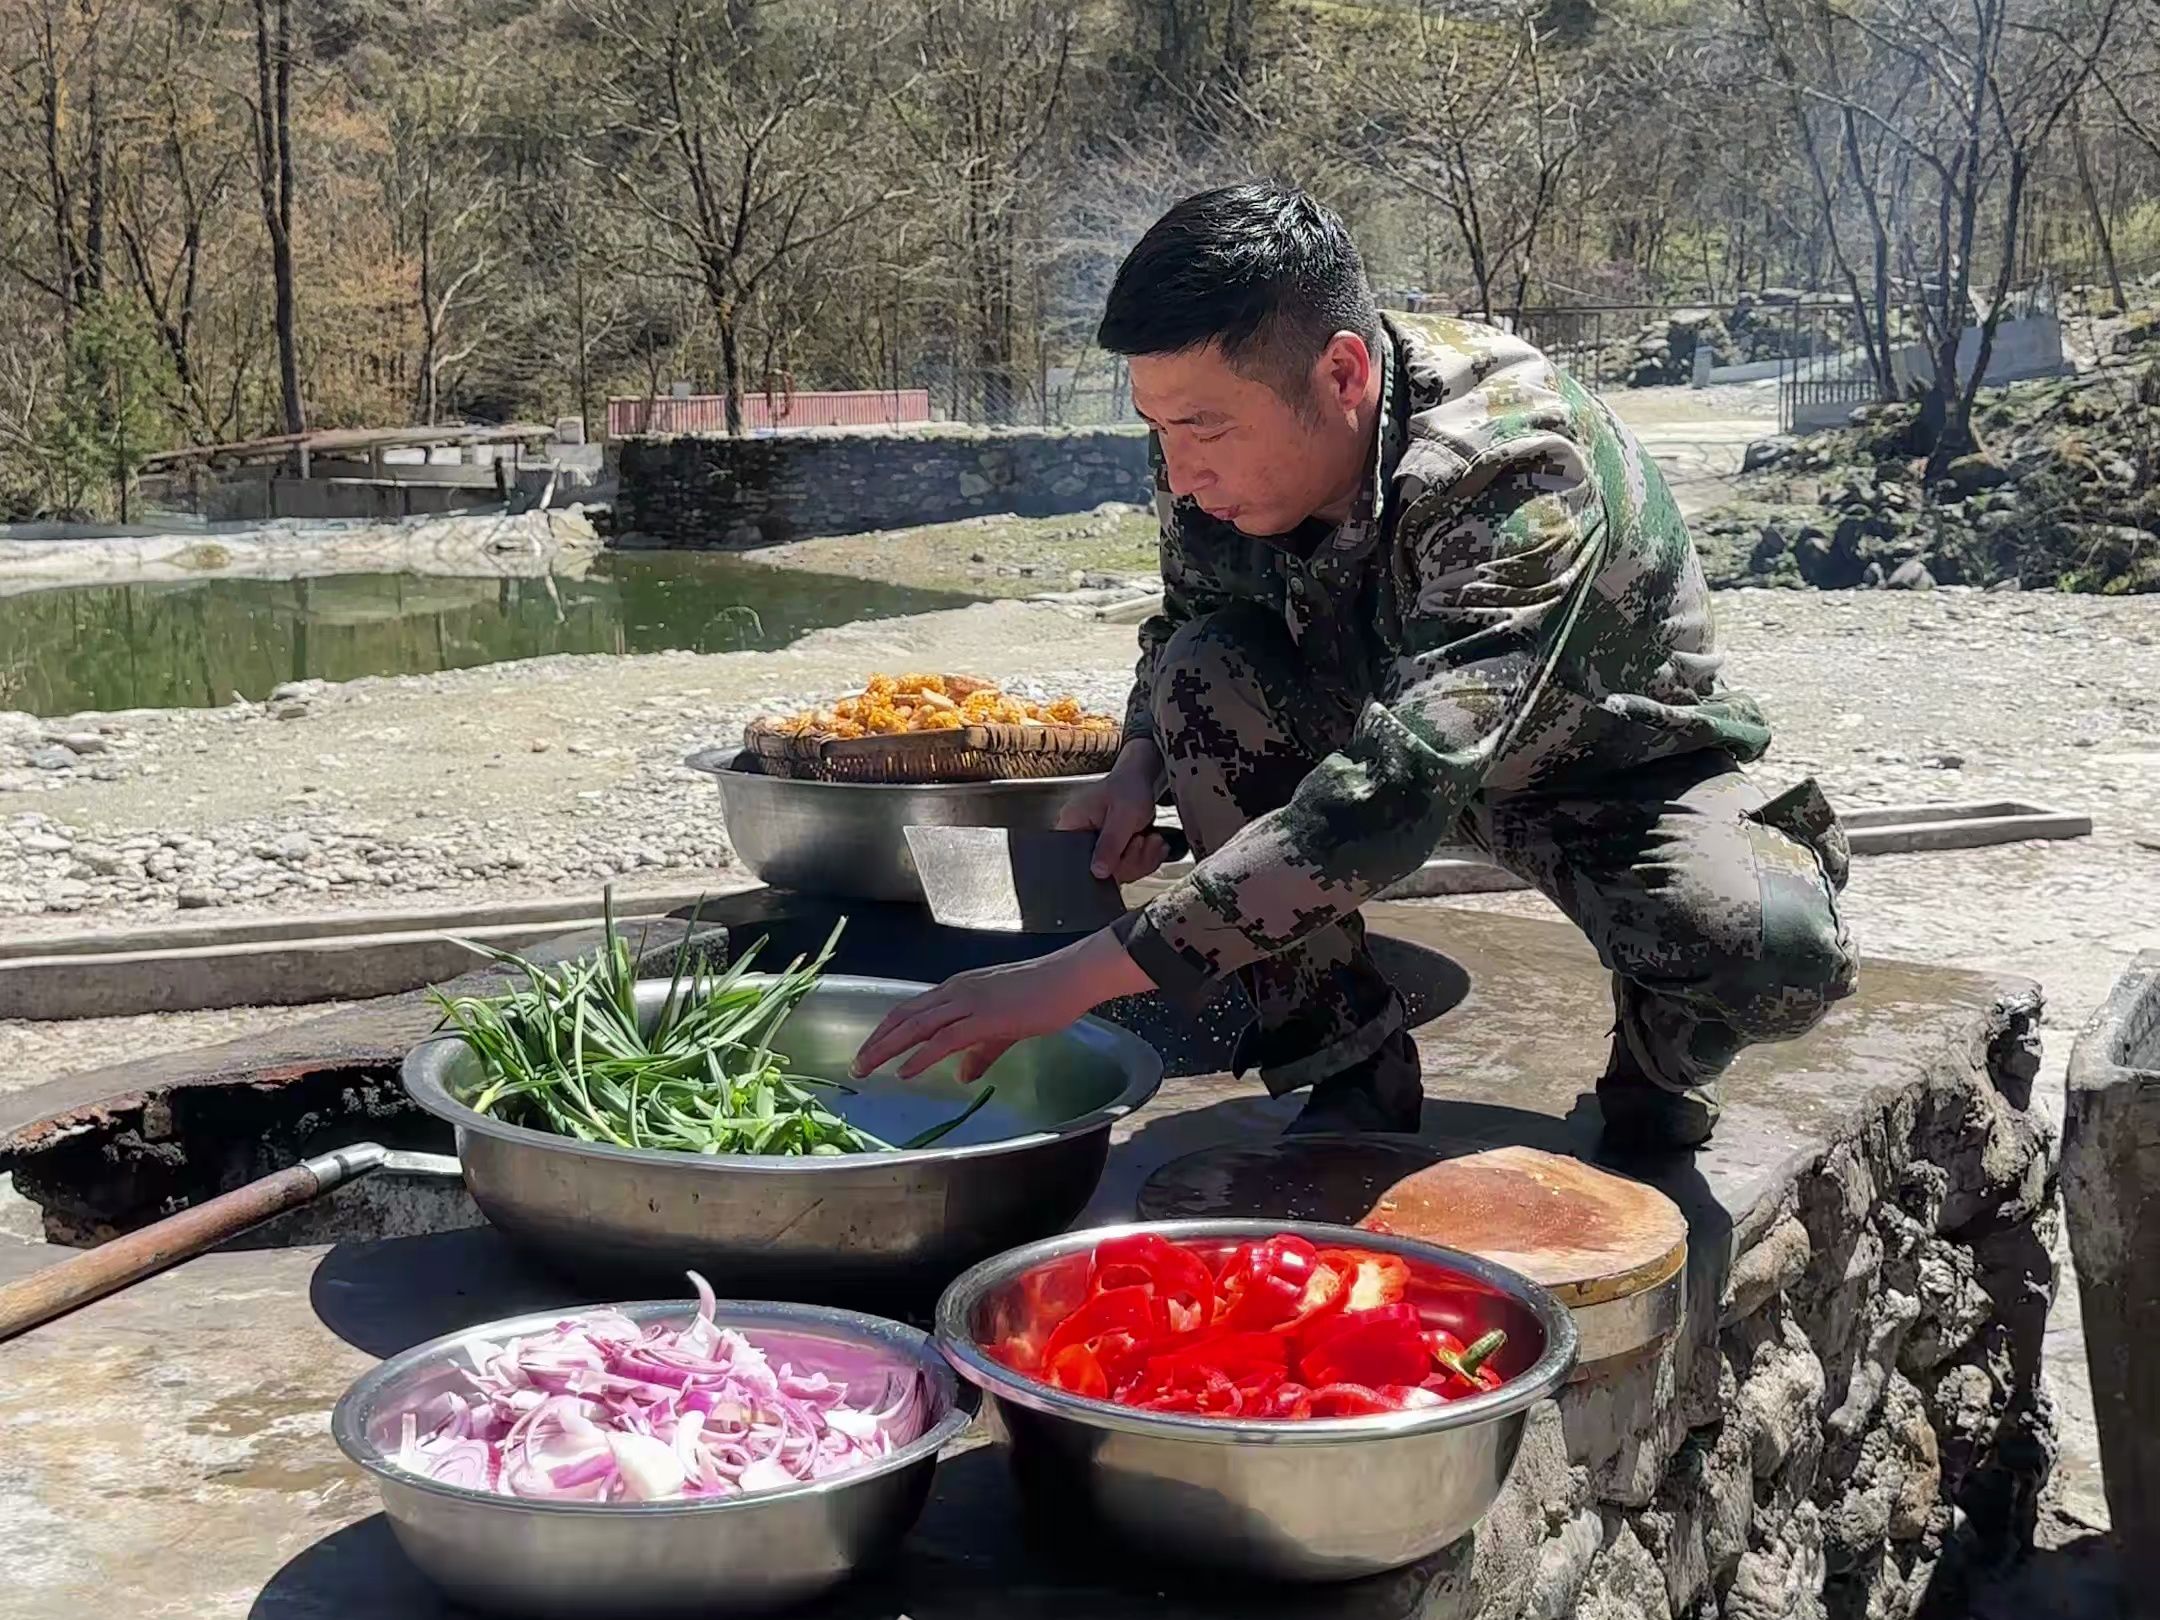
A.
x: 1263, y: 269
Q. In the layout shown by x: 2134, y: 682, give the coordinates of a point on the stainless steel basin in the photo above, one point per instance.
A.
x: 855, y: 1226
x: 587, y: 1560
x: 846, y: 838
x: 1323, y: 1500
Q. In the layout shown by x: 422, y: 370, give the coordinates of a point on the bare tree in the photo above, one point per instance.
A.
x: 980, y: 118
x: 446, y: 196
x: 56, y: 113
x: 170, y: 201
x: 1928, y: 119
x: 271, y: 117
x: 1489, y: 131
x: 738, y: 117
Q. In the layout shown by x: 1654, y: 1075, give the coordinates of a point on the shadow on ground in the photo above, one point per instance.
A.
x: 2078, y: 1580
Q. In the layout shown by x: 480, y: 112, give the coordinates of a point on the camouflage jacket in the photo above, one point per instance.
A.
x: 1514, y: 605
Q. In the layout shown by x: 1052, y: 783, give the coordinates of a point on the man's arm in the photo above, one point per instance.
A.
x: 1502, y: 557
x: 1189, y: 590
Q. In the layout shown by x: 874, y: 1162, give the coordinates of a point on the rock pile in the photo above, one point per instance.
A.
x: 2064, y: 497
x: 1774, y: 324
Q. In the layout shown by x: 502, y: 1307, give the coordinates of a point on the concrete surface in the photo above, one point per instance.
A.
x: 271, y: 964
x: 1846, y: 1372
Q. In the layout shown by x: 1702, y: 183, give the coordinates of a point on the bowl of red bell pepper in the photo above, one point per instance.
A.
x: 1290, y: 1400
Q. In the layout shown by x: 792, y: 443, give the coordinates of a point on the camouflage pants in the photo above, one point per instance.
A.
x: 1713, y: 906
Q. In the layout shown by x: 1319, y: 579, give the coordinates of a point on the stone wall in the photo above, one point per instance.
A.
x: 1868, y: 1361
x: 2111, y: 1194
x: 735, y: 493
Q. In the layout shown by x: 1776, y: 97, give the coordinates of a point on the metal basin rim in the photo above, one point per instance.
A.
x: 1541, y: 1378
x: 713, y: 761
x: 910, y: 1345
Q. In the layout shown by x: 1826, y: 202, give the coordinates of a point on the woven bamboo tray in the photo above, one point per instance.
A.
x: 982, y: 753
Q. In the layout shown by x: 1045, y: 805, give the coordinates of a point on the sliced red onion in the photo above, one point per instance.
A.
x: 596, y: 1408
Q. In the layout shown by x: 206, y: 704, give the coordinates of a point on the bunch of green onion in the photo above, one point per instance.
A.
x: 567, y: 1052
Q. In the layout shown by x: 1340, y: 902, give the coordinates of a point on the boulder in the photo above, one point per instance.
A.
x: 1911, y: 576
x: 1969, y: 475
x: 1767, y: 452
x: 1832, y: 562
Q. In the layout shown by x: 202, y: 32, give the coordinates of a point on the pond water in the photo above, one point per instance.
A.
x: 200, y: 644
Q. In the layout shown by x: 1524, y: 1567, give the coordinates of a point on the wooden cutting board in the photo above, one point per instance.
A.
x: 1612, y: 1249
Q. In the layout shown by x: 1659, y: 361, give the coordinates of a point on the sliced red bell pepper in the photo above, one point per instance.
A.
x: 1320, y: 1331
x: 1196, y: 1389
x: 1286, y: 1400
x: 1177, y: 1276
x: 1235, y: 1357
x: 1347, y: 1400
x: 1327, y: 1294
x: 1375, y: 1279
x: 1263, y: 1284
x: 1120, y: 1325
x: 1076, y: 1369
x: 1382, y: 1346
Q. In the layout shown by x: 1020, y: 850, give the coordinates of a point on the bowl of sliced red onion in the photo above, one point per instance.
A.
x: 655, y: 1458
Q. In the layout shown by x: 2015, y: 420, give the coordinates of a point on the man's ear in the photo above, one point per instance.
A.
x: 1345, y: 371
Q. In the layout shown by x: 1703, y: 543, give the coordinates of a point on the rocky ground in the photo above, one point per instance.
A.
x: 1699, y: 437
x: 518, y: 780
x: 2062, y: 493
x: 491, y: 782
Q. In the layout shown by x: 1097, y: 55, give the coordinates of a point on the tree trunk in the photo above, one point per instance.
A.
x: 274, y: 160
x: 67, y: 258
x: 584, y: 345
x: 2101, y: 233
x: 430, y: 346
x: 94, y: 192
x: 731, y: 369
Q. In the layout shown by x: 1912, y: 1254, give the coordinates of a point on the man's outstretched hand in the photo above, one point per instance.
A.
x: 1121, y: 809
x: 982, y: 1014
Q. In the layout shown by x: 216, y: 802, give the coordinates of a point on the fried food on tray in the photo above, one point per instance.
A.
x: 891, y: 705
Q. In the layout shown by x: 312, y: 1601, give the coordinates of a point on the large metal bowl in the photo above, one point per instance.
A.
x: 1330, y: 1499
x: 885, y: 1226
x: 847, y: 838
x: 586, y: 1560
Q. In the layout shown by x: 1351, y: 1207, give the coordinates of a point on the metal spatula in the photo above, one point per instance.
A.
x: 1016, y: 880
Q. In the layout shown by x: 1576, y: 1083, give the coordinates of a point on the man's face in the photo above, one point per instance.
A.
x: 1246, y: 454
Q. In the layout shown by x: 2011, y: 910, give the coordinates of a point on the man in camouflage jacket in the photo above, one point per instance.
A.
x: 1420, y: 587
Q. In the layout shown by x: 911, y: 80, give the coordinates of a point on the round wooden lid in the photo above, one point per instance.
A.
x: 1585, y: 1233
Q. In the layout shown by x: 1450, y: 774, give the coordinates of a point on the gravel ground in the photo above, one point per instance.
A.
x: 511, y: 780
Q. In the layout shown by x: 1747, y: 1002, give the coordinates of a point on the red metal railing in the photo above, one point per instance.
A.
x: 707, y: 413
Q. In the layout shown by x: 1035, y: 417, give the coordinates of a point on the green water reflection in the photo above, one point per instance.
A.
x: 196, y: 645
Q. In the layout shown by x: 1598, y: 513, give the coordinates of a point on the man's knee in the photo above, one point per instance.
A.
x: 1805, y: 967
